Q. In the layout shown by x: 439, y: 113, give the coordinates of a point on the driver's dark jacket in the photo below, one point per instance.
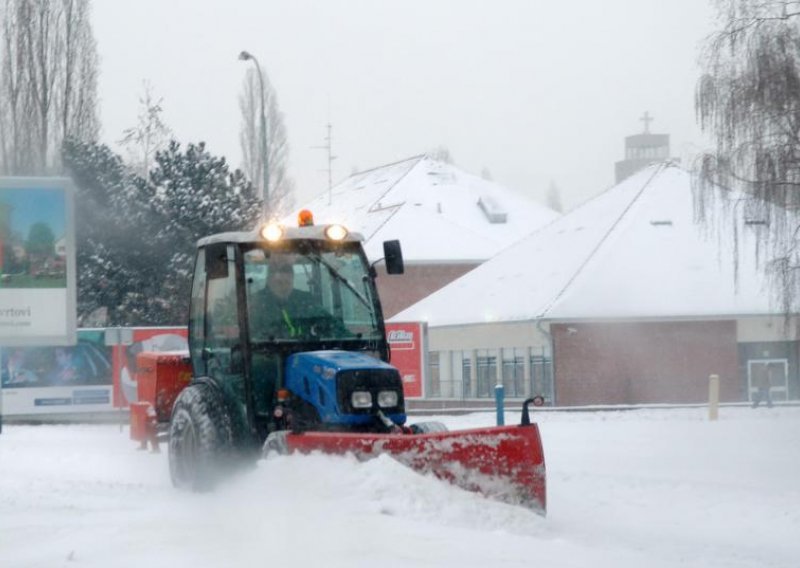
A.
x: 285, y: 318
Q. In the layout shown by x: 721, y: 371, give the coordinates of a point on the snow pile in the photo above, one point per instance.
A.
x: 626, y: 489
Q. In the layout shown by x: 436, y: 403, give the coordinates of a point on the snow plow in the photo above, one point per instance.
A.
x: 288, y: 353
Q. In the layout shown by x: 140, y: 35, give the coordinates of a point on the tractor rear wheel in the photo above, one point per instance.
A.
x: 201, y: 439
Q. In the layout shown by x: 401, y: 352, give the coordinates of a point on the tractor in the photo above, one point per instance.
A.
x: 288, y: 353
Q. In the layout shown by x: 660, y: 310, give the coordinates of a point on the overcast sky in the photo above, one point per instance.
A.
x: 536, y: 91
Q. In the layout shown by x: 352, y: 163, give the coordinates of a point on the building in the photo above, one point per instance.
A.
x: 624, y: 300
x: 642, y: 150
x: 448, y: 221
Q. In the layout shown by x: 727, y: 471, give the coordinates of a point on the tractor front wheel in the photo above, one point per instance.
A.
x: 200, y: 438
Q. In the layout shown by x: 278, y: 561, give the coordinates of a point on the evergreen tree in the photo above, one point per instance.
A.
x: 136, y: 238
x: 197, y: 195
x: 118, y: 258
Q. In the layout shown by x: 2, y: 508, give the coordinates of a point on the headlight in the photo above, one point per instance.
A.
x: 272, y: 232
x: 387, y: 399
x: 335, y: 232
x: 361, y: 399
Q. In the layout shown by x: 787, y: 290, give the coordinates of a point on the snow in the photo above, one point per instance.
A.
x: 633, y: 251
x: 432, y: 207
x: 647, y: 487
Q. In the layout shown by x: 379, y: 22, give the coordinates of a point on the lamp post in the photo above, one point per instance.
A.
x: 246, y: 56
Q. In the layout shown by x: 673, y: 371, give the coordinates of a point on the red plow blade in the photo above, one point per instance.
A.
x: 504, y: 462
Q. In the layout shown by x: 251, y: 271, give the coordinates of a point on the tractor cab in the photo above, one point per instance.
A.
x: 259, y: 298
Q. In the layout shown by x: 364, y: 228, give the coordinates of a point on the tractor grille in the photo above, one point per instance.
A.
x: 372, y: 380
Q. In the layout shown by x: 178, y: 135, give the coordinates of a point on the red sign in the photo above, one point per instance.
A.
x: 408, y: 344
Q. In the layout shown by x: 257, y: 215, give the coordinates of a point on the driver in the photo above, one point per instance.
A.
x: 280, y: 309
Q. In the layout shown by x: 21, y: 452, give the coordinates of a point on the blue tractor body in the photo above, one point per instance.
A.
x: 327, y: 380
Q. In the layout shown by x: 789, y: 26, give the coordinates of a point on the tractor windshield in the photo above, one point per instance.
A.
x: 314, y: 292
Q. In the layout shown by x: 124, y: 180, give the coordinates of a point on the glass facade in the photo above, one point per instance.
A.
x: 524, y: 372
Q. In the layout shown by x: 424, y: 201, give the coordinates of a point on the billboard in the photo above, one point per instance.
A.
x: 37, y: 262
x: 408, y: 342
x: 97, y: 374
x: 58, y: 379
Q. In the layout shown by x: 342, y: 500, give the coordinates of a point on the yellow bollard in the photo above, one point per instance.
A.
x: 713, y: 397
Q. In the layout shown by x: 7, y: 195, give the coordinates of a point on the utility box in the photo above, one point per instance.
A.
x: 160, y: 377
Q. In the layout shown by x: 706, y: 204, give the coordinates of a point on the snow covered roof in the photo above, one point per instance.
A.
x: 437, y: 211
x: 633, y: 251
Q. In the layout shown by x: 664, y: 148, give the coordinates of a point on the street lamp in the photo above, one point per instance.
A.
x: 246, y: 56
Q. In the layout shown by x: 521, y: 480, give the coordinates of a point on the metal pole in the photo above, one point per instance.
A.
x: 713, y: 397
x: 499, y: 395
x: 245, y: 56
x: 264, y: 154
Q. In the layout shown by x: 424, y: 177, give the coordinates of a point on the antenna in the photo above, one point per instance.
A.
x: 331, y: 158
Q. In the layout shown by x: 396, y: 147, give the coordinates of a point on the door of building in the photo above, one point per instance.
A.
x: 776, y: 370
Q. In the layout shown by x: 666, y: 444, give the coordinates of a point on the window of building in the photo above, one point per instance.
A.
x: 542, y: 378
x: 466, y: 374
x: 514, y: 373
x: 434, y: 378
x: 486, y: 373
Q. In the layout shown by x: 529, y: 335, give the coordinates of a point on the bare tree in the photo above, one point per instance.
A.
x: 748, y: 99
x: 77, y: 105
x: 281, y: 187
x: 16, y: 100
x: 150, y: 134
x: 48, y: 82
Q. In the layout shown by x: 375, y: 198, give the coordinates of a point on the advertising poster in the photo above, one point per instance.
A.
x: 408, y: 344
x: 58, y: 379
x: 94, y: 375
x: 37, y: 262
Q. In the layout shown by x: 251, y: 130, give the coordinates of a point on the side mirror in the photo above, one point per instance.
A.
x: 394, y: 257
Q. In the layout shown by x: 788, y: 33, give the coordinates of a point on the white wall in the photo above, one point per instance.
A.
x: 764, y: 329
x: 488, y: 336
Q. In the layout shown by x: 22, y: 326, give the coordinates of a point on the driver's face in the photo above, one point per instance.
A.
x: 281, y: 278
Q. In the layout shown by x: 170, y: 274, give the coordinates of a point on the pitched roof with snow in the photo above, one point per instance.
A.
x: 436, y: 210
x: 633, y: 251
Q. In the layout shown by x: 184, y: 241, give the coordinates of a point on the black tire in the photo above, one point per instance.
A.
x: 201, y: 441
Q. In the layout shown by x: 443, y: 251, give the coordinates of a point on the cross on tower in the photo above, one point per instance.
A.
x: 647, y: 119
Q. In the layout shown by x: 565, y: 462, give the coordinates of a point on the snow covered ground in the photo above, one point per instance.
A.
x: 634, y: 488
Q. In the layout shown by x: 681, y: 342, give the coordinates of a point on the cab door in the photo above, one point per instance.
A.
x: 214, y: 328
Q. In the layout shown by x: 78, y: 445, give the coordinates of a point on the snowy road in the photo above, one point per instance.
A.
x: 626, y: 489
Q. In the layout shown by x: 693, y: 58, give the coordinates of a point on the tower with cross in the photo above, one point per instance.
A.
x: 642, y: 150
x: 647, y: 119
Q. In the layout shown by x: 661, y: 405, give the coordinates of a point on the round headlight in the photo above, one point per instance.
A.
x: 272, y: 232
x: 361, y: 399
x: 335, y: 232
x: 387, y: 399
